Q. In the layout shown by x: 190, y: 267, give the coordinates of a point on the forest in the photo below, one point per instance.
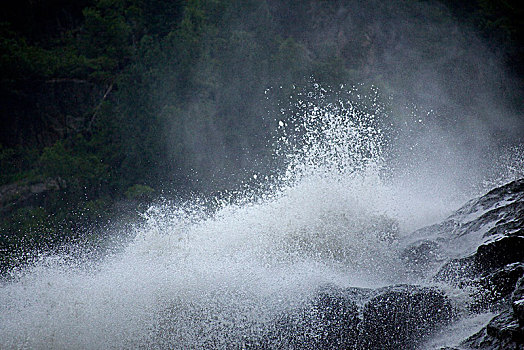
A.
x: 107, y: 105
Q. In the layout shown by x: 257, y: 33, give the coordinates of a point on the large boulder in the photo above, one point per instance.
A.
x: 396, y: 317
x: 401, y: 317
x: 328, y: 321
x: 503, y: 332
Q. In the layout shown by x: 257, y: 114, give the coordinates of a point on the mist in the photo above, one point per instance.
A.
x: 452, y: 103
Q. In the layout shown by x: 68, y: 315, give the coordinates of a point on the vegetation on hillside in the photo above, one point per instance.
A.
x: 111, y: 100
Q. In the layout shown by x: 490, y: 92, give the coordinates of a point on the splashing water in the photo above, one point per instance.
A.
x: 191, y: 279
x: 331, y: 138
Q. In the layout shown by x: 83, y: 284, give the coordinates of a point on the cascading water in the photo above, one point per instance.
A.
x: 195, y: 279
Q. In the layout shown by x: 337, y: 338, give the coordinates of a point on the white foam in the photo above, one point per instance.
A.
x: 195, y: 279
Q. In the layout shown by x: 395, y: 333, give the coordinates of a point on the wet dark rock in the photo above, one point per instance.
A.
x: 401, y: 317
x: 485, y: 234
x: 500, y: 211
x: 397, y: 317
x: 506, y: 327
x: 420, y: 256
x: 500, y: 200
x: 503, y: 332
x: 495, y: 289
x: 517, y: 301
x: 492, y: 230
x: 490, y: 269
x: 496, y: 254
x: 457, y: 271
x: 329, y: 321
x: 490, y: 258
x: 485, y: 240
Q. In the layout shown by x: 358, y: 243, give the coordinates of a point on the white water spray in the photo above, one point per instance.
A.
x: 190, y: 279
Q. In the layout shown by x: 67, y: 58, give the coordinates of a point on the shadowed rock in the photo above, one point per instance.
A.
x: 401, y: 317
x: 495, y: 289
x: 485, y: 239
x: 517, y: 301
x: 484, y: 235
x: 503, y: 332
x: 329, y: 321
x: 397, y: 317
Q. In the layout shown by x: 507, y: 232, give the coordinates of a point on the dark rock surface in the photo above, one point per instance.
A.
x: 502, y: 333
x: 401, y: 317
x: 498, y: 253
x: 457, y: 271
x: 496, y: 288
x: 329, y: 321
x: 419, y: 257
x: 517, y: 301
x: 487, y: 233
x: 396, y: 317
x: 484, y: 243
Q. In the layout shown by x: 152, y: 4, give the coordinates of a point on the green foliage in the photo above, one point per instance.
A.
x: 57, y: 161
x: 33, y: 222
x: 17, y: 163
x: 94, y: 210
x: 107, y: 37
x: 82, y: 170
x: 106, y: 31
x: 159, y: 17
x: 19, y: 59
x: 139, y: 192
x: 504, y: 16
